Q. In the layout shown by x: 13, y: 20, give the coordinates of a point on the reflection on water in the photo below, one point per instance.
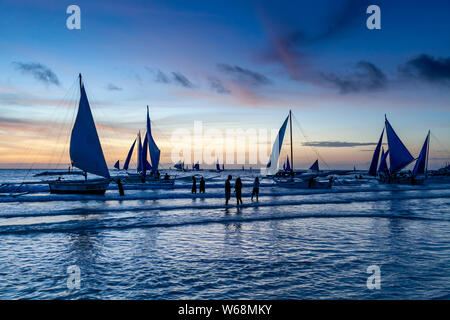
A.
x: 291, y: 245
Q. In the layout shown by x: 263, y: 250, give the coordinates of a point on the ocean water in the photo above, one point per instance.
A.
x: 169, y: 244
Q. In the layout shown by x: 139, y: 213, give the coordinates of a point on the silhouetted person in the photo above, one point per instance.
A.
x: 194, y: 185
x: 202, y: 185
x: 238, y: 190
x: 119, y: 185
x: 166, y: 176
x: 158, y: 175
x: 310, y: 182
x: 255, y: 191
x: 330, y: 181
x: 228, y: 189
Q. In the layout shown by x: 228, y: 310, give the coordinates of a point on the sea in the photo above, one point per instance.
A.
x: 357, y: 240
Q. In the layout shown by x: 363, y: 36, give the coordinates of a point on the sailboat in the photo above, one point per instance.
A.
x: 196, y: 166
x: 146, y: 172
x: 85, y: 153
x: 287, y: 179
x: 399, y: 158
x: 218, y: 166
x: 179, y: 165
x: 217, y: 169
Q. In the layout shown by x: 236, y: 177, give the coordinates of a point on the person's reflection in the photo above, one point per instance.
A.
x: 83, y: 250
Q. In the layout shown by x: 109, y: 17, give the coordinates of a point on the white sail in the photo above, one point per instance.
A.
x: 85, y: 149
x: 273, y: 165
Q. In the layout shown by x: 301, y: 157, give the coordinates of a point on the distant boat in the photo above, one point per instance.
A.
x: 196, y: 166
x: 179, y: 165
x: 218, y: 165
x: 218, y: 169
x: 399, y: 158
x: 85, y: 153
x: 272, y: 168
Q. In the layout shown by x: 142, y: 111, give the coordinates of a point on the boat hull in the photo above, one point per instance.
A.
x: 408, y: 180
x: 79, y: 187
x: 148, y: 180
x: 301, y: 184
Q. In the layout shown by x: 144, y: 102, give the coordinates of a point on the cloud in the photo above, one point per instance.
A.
x: 113, y: 87
x: 289, y: 43
x: 161, y: 77
x: 337, y: 144
x: 427, y: 68
x: 39, y: 72
x: 180, y: 79
x: 218, y: 86
x: 242, y: 75
x: 366, y: 77
x: 350, y: 12
x: 158, y: 75
x: 174, y: 78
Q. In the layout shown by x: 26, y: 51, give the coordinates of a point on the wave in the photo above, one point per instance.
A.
x: 274, y: 192
x: 94, y: 226
x: 153, y: 207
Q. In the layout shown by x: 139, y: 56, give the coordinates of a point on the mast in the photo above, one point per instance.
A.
x: 84, y: 171
x: 292, y: 151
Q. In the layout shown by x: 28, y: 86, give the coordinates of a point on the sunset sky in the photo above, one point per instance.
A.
x: 231, y: 65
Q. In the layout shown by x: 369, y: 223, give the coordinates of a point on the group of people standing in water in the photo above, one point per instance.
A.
x: 237, y: 188
x: 194, y: 185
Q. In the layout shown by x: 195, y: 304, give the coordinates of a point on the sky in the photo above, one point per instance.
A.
x: 225, y: 65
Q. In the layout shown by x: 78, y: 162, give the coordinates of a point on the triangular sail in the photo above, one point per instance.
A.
x: 376, y: 156
x: 140, y: 165
x: 217, y: 165
x: 272, y: 165
x: 155, y: 153
x: 85, y: 149
x: 421, y: 164
x: 315, y: 166
x: 117, y: 165
x: 178, y: 165
x: 383, y: 168
x: 130, y: 153
x: 145, y: 164
x: 399, y: 154
x: 288, y: 165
